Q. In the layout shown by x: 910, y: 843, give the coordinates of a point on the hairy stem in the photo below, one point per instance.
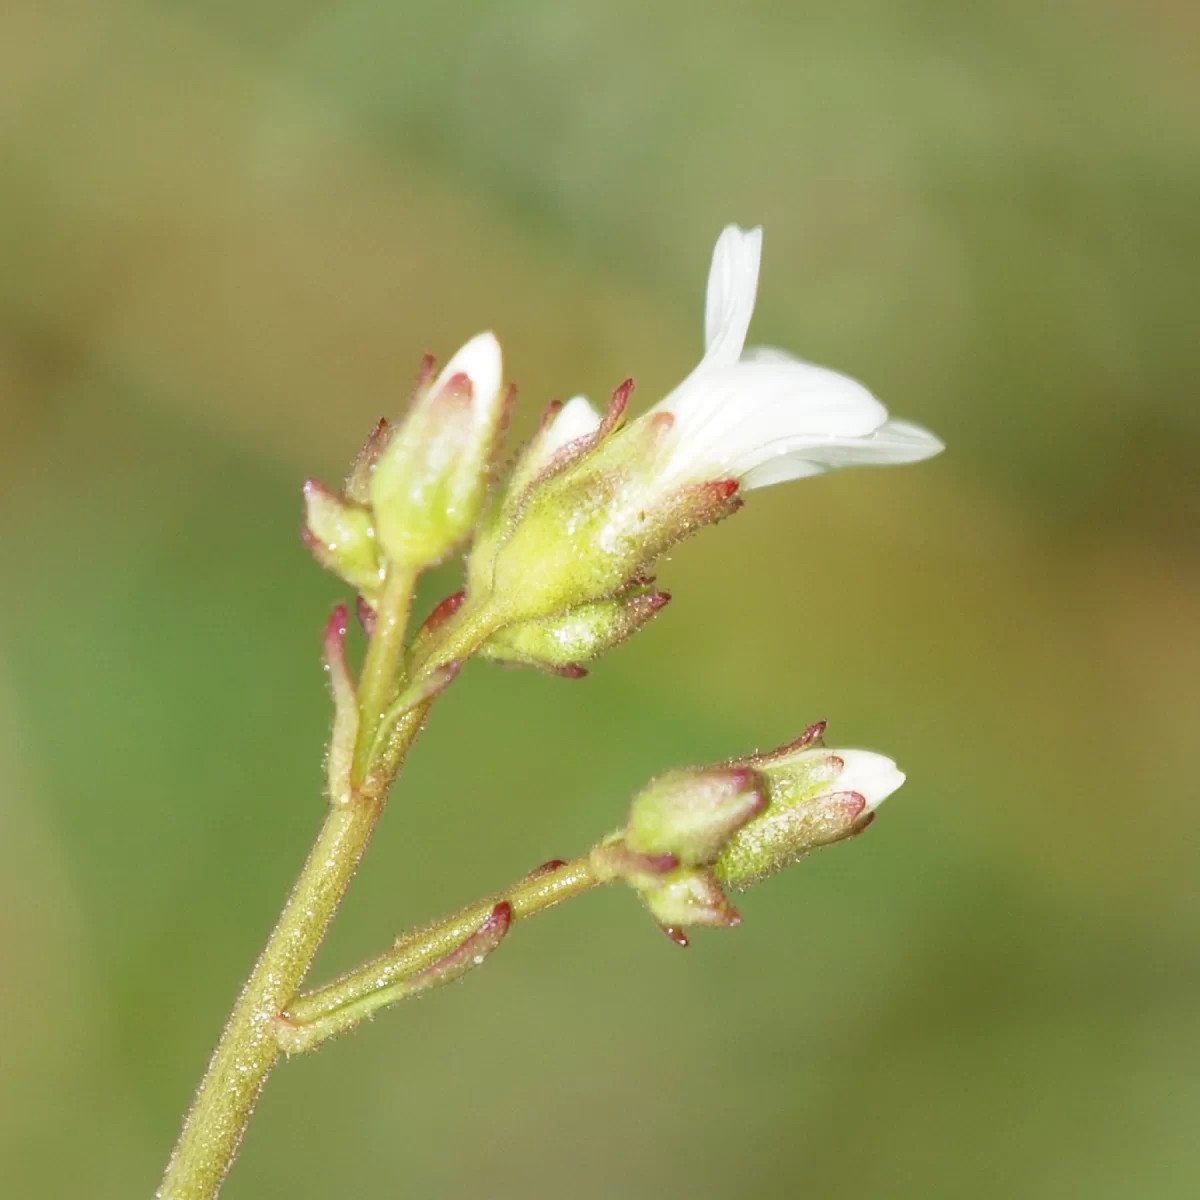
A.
x: 379, y: 673
x: 429, y: 957
x: 248, y: 1048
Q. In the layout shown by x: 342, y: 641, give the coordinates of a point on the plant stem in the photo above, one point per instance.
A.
x: 379, y: 674
x: 428, y: 957
x: 249, y: 1046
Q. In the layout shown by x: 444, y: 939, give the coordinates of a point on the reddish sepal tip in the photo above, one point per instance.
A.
x: 676, y: 935
x: 499, y: 918
x: 335, y: 631
x: 570, y: 671
x: 424, y: 372
x: 863, y: 823
x: 443, y: 610
x: 551, y: 864
x: 365, y: 614
x: 856, y: 803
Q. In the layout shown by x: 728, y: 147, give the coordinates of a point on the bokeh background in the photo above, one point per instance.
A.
x: 229, y: 229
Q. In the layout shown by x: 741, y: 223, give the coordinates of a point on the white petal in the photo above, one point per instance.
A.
x: 731, y: 420
x: 770, y: 354
x: 479, y: 360
x: 892, y: 443
x: 873, y: 776
x: 732, y: 286
x: 576, y: 419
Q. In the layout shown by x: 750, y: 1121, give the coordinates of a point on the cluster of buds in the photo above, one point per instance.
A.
x: 562, y: 552
x: 693, y: 835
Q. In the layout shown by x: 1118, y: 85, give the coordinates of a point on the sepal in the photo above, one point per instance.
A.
x: 560, y: 644
x: 689, y: 897
x: 340, y: 533
x: 692, y: 813
x: 358, y: 482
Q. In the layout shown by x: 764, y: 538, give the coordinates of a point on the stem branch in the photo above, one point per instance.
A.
x: 429, y: 957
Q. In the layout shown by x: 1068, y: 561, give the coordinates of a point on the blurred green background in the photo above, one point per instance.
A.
x: 228, y: 230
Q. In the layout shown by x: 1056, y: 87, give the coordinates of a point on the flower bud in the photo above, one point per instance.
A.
x: 689, y: 896
x: 816, y: 796
x: 430, y: 482
x: 560, y: 643
x: 341, y: 536
x: 692, y: 814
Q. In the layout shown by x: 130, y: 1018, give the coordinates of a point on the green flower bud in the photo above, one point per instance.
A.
x: 816, y: 797
x: 693, y: 813
x: 341, y: 536
x: 686, y: 897
x: 429, y: 484
x: 559, y: 644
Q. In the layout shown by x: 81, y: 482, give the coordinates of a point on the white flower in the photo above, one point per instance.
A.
x: 761, y: 416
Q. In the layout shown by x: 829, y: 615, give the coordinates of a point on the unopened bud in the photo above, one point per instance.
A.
x: 816, y: 796
x: 690, y: 896
x: 560, y: 643
x: 430, y: 482
x: 692, y: 814
x: 341, y: 536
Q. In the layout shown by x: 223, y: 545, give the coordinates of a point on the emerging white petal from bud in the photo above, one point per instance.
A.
x: 576, y: 419
x: 873, y: 776
x: 480, y: 361
x: 428, y: 486
x: 763, y: 417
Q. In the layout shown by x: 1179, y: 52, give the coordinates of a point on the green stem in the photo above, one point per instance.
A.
x: 429, y: 957
x: 381, y: 667
x: 249, y: 1046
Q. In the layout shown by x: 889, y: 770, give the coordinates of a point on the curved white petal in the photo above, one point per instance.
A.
x: 732, y: 287
x: 873, y: 776
x: 731, y: 420
x: 576, y: 419
x: 892, y: 443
